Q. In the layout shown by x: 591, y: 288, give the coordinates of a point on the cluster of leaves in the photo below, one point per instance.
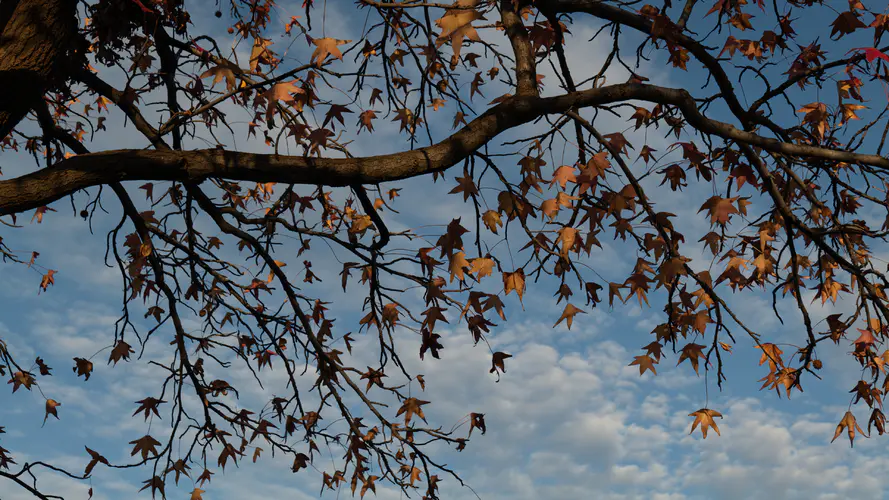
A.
x: 785, y: 205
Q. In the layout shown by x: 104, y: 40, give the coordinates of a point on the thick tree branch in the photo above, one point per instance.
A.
x: 36, y: 37
x: 45, y: 186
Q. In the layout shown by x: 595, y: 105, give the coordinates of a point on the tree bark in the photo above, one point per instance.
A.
x: 36, y: 38
x: 44, y: 186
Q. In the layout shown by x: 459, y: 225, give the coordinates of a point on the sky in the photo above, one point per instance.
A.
x: 569, y: 419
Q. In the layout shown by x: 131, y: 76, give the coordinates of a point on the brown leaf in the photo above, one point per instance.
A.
x: 51, y: 405
x: 95, y: 459
x: 83, y: 367
x: 121, y: 350
x: 704, y: 417
x: 411, y: 407
x: 514, y: 281
x: 644, y: 363
x: 145, y: 445
x: 497, y: 360
x: 568, y: 315
x: 850, y: 425
x: 327, y: 47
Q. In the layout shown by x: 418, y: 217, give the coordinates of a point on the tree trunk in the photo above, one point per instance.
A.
x: 36, y: 38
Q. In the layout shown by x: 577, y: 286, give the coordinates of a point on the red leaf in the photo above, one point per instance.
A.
x: 871, y: 53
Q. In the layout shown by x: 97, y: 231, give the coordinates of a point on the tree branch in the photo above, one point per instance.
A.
x: 68, y: 176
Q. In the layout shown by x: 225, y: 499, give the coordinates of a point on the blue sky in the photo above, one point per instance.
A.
x: 568, y: 420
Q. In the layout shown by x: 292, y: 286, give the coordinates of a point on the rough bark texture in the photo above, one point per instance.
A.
x: 68, y: 176
x: 36, y: 37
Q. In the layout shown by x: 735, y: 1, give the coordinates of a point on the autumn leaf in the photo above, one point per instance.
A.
x: 568, y: 315
x: 492, y: 221
x: 482, y: 266
x: 411, y: 407
x: 220, y: 73
x: 514, y: 281
x: 497, y: 362
x: 327, y: 47
x: 147, y: 406
x: 704, y: 417
x: 845, y: 23
x: 849, y: 424
x: 692, y: 352
x: 95, y: 458
x: 145, y: 445
x: 156, y: 484
x: 48, y: 279
x: 644, y: 363
x: 51, y: 409
x: 83, y: 367
x: 456, y: 25
x: 180, y: 468
x: 260, y: 53
x: 121, y: 350
x: 871, y: 53
x: 563, y: 175
x: 281, y: 92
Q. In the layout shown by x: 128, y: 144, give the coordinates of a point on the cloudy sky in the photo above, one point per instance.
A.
x: 568, y: 420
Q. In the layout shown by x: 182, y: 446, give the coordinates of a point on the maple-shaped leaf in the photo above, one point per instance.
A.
x: 644, y: 363
x: 492, y: 220
x: 456, y: 25
x: 83, y: 367
x: 465, y: 185
x: 121, y: 350
x: 204, y: 477
x: 220, y: 73
x: 228, y: 451
x: 847, y: 112
x: 281, y: 92
x: 260, y: 53
x: 692, y: 352
x: 871, y: 53
x: 720, y: 209
x: 327, y: 47
x: 850, y: 425
x: 180, y: 468
x: 411, y: 407
x: 568, y: 315
x: 457, y: 265
x: 365, y: 121
x: 148, y: 405
x: 368, y: 484
x: 196, y: 494
x: 704, y: 416
x: 845, y: 23
x: 95, y: 458
x: 156, y: 484
x: 335, y: 113
x: 866, y: 339
x: 563, y: 175
x: 514, y: 281
x: 430, y: 342
x: 482, y: 266
x: 145, y: 445
x: 20, y: 379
